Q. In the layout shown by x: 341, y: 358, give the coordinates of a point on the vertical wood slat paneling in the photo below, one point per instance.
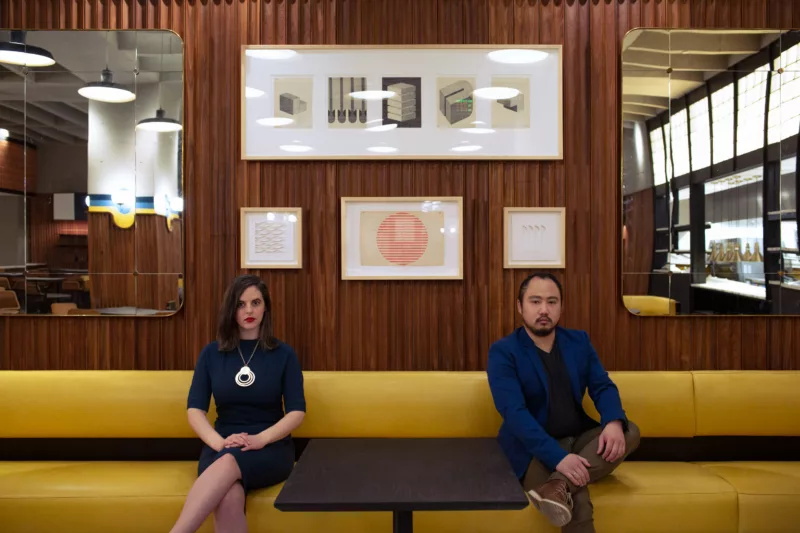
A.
x: 401, y: 325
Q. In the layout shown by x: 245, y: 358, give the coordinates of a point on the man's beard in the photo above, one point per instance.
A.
x: 541, y: 330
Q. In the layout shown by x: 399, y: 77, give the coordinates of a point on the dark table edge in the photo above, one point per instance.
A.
x: 390, y: 507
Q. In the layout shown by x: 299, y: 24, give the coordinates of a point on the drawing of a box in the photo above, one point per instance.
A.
x: 292, y: 104
x: 455, y: 101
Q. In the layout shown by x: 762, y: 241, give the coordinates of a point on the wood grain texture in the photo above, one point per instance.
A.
x: 403, y: 325
x: 16, y: 162
x: 44, y: 234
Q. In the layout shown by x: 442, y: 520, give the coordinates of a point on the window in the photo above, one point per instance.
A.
x: 722, y: 114
x: 657, y: 153
x: 750, y: 129
x: 700, y: 134
x: 785, y: 92
x: 680, y: 142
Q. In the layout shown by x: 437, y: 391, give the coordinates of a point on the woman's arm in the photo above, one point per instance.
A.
x: 281, y: 429
x: 201, y: 426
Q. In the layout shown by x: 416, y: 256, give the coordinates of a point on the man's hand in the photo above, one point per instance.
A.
x: 612, y: 442
x: 574, y: 467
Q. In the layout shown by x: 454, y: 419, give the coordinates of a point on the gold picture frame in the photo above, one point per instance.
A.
x: 303, y: 110
x: 537, y: 239
x: 271, y: 237
x: 402, y: 238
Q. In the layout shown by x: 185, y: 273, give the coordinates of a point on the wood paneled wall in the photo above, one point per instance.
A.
x: 638, y: 252
x: 43, y: 234
x: 15, y: 163
x: 402, y: 325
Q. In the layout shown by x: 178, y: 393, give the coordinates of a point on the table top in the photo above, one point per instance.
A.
x: 402, y: 475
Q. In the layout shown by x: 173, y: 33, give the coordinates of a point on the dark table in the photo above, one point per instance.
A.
x: 402, y: 476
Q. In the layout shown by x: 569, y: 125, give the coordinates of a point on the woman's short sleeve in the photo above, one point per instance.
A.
x: 294, y: 398
x: 200, y: 390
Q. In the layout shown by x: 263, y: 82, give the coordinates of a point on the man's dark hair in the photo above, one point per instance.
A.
x: 541, y: 275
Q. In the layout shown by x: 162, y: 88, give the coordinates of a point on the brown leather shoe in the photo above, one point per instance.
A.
x: 554, y: 501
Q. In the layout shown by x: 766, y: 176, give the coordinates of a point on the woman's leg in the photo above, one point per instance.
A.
x: 207, y: 493
x: 229, y: 515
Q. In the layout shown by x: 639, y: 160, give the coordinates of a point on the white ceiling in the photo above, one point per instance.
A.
x: 693, y: 55
x: 55, y: 111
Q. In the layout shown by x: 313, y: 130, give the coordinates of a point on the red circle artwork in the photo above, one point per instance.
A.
x: 402, y: 238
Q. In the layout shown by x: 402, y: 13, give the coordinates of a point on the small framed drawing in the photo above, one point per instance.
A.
x: 271, y: 237
x: 534, y: 237
x: 402, y: 238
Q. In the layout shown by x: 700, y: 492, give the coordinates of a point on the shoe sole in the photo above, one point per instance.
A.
x: 557, y: 514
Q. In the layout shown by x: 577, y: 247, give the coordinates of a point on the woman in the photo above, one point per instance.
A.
x: 252, y: 377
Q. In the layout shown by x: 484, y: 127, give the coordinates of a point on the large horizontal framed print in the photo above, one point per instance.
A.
x: 409, y: 102
x: 402, y: 238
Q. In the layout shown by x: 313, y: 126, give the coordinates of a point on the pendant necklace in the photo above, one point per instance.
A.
x: 246, y: 377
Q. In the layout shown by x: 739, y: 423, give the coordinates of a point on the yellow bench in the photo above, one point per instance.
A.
x: 640, y: 497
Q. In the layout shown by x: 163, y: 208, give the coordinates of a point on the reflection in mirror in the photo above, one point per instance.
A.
x: 709, y: 206
x: 78, y: 175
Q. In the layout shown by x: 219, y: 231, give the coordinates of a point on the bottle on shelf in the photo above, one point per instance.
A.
x: 729, y: 255
x: 713, y: 256
x: 737, y: 253
x: 757, y: 253
x: 748, y: 255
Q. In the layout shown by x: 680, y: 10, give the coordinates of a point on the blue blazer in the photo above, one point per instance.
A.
x: 518, y: 382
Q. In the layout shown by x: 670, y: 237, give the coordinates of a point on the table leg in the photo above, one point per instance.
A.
x: 403, y: 522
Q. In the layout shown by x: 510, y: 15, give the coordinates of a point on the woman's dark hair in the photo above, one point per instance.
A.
x: 228, y: 328
x: 523, y: 287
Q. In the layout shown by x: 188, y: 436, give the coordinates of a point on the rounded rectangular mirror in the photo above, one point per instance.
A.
x: 91, y: 172
x: 709, y: 172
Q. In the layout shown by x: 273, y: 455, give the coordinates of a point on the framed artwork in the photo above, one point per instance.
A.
x: 271, y: 237
x: 534, y: 237
x: 402, y: 238
x: 401, y: 102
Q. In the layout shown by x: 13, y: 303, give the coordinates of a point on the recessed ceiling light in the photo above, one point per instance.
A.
x: 252, y: 92
x: 477, y: 131
x: 515, y: 56
x: 466, y: 148
x: 295, y: 148
x: 379, y: 126
x: 496, y: 93
x: 4, y: 133
x: 382, y: 149
x: 371, y: 95
x: 274, y: 121
x: 270, y: 53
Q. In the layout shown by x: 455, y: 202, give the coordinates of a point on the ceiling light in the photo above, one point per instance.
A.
x: 466, y: 148
x: 106, y: 90
x: 371, y: 95
x: 16, y: 52
x: 382, y: 149
x: 379, y: 126
x: 270, y: 53
x: 252, y: 92
x: 296, y: 148
x: 274, y: 121
x: 516, y: 56
x: 496, y: 93
x: 477, y: 130
x: 4, y: 133
x: 160, y: 123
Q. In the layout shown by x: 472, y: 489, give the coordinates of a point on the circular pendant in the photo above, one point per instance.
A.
x: 245, y: 377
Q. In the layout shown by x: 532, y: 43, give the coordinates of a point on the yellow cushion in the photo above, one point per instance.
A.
x: 398, y: 404
x: 646, y: 305
x: 126, y: 497
x: 95, y: 404
x: 660, y: 403
x: 747, y: 402
x: 769, y: 494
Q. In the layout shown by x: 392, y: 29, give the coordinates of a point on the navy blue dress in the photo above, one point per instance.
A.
x: 278, y: 386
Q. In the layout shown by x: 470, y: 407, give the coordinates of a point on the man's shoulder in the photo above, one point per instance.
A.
x: 506, y: 343
x: 575, y: 335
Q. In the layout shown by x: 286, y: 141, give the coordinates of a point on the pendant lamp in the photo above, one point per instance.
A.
x: 16, y: 52
x: 160, y: 123
x: 106, y: 90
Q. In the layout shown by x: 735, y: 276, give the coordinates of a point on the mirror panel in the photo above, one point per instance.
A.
x: 90, y: 225
x: 730, y: 198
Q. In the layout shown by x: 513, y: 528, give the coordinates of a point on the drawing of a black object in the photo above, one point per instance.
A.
x: 516, y: 104
x: 292, y: 104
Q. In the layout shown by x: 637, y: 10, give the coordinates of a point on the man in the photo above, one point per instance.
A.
x: 538, y: 376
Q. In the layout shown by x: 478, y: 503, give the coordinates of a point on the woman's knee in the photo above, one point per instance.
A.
x: 228, y: 462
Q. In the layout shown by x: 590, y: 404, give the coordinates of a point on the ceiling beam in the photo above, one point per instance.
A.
x: 639, y: 110
x: 65, y: 112
x: 632, y: 59
x: 44, y: 123
x: 694, y: 42
x: 650, y: 101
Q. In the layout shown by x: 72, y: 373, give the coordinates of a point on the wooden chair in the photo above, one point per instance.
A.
x: 62, y: 308
x: 8, y: 302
